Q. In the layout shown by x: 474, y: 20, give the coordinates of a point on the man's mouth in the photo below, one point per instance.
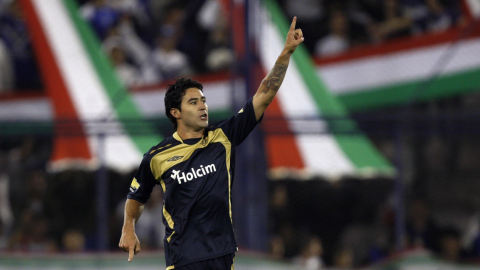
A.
x: 204, y: 116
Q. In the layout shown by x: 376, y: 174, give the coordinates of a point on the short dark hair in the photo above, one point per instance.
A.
x: 174, y: 96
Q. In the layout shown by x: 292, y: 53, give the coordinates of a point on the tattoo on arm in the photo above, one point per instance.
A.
x: 275, y: 78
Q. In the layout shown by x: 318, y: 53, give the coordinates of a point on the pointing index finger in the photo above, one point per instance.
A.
x: 131, y: 251
x: 294, y: 22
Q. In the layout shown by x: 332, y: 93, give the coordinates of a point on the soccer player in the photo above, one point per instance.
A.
x: 194, y: 167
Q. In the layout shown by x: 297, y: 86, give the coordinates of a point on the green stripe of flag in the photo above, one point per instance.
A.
x: 402, y: 93
x: 121, y: 99
x: 356, y: 146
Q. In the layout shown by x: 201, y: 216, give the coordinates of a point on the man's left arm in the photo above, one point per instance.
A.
x: 270, y: 85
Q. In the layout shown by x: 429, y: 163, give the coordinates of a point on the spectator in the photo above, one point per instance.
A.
x: 13, y: 31
x: 73, y: 241
x: 394, y: 23
x: 36, y: 192
x: 219, y: 55
x: 169, y: 61
x: 163, y: 62
x: 359, y: 21
x: 440, y: 18
x: 311, y: 255
x: 422, y: 231
x: 158, y: 9
x: 450, y: 246
x: 127, y: 73
x: 360, y: 238
x: 277, y: 247
x: 172, y: 23
x: 101, y: 16
x: 430, y: 15
x: 290, y: 236
x: 418, y: 12
x: 337, y: 40
x: 279, y: 208
x: 135, y: 51
x: 210, y: 15
x: 343, y: 259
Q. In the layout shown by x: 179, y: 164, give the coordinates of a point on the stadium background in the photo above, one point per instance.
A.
x: 369, y: 157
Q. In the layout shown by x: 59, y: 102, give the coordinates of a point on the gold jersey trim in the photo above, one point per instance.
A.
x: 170, y: 237
x: 168, y: 217
x: 177, y: 137
x: 159, y: 164
x: 163, y: 185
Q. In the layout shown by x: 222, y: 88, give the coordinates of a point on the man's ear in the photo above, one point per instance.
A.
x: 176, y: 113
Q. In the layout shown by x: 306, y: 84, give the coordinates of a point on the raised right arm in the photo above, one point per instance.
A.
x: 129, y: 240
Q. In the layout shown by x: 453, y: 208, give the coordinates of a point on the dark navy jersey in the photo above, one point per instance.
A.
x: 196, y: 176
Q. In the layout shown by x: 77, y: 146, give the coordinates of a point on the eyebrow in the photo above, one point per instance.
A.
x: 192, y: 99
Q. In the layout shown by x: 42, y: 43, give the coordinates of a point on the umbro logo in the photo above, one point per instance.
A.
x: 174, y: 158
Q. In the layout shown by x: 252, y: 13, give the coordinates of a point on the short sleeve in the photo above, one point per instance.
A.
x: 239, y: 126
x: 142, y: 183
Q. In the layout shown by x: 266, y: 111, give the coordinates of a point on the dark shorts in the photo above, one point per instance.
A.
x: 224, y: 262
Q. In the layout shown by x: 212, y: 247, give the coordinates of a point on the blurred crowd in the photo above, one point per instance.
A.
x: 350, y: 224
x: 42, y: 211
x: 149, y: 41
x: 333, y: 27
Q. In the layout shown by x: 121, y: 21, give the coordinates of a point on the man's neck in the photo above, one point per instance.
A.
x: 186, y: 134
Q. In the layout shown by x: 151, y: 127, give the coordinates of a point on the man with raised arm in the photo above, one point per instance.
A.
x: 195, y: 169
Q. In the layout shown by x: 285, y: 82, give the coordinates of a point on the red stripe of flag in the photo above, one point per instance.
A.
x: 71, y: 147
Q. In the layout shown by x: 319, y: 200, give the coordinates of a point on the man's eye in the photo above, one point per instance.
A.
x: 194, y: 102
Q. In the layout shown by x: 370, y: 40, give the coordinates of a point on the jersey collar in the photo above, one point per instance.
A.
x: 177, y: 137
x: 191, y: 141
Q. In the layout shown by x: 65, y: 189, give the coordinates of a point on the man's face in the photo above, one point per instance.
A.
x: 194, y: 114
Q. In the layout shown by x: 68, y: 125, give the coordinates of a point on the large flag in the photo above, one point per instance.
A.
x: 88, y: 100
x: 309, y: 131
x: 427, y: 67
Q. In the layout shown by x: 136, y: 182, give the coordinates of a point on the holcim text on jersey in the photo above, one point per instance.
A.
x: 179, y: 175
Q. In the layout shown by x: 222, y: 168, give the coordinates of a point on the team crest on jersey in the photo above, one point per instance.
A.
x: 174, y: 158
x: 134, y: 185
x: 204, y: 141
